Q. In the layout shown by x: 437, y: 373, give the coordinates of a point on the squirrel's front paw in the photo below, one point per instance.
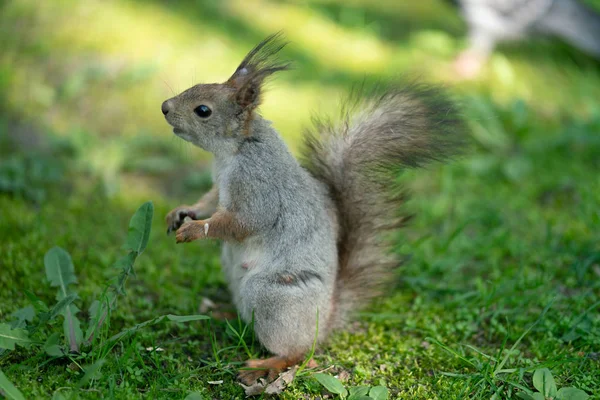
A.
x: 191, y: 231
x: 175, y: 218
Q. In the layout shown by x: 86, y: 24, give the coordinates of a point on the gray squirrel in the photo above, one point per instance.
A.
x: 303, y: 243
x: 493, y: 21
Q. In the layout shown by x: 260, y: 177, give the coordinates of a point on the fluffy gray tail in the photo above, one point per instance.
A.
x: 359, y: 159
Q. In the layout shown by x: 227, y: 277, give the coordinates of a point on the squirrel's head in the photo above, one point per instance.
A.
x: 217, y: 117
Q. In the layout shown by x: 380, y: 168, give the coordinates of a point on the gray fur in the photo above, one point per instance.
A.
x: 313, y: 247
x: 359, y: 158
x: 288, y: 210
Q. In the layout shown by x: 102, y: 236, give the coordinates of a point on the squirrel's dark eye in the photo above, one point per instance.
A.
x: 203, y: 111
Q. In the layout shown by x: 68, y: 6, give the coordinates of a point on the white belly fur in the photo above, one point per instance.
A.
x: 238, y: 260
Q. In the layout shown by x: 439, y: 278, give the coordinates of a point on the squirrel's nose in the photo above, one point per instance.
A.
x: 166, y: 107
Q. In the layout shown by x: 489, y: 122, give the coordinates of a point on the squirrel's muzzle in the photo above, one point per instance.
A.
x: 166, y: 107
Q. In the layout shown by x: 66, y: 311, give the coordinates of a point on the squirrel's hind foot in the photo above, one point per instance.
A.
x: 269, y: 368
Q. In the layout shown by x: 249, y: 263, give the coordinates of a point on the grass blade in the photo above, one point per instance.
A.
x: 451, y: 351
x: 10, y: 391
x: 514, y: 346
x: 186, y: 318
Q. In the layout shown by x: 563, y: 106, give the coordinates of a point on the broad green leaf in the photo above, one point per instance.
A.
x: 379, y: 393
x: 94, y: 320
x: 137, y: 239
x: 9, y: 337
x: 10, y: 391
x: 71, y: 324
x: 571, y: 393
x: 332, y: 384
x: 139, y: 228
x: 22, y: 316
x: 538, y: 396
x: 186, y: 318
x: 194, y: 396
x: 544, y: 382
x: 60, y: 273
x: 525, y: 396
x: 72, y: 328
x: 25, y: 313
x: 357, y: 392
x: 52, y: 347
x: 91, y: 371
x: 99, y: 311
x: 571, y: 336
x: 59, y: 395
x: 93, y: 310
x: 59, y: 269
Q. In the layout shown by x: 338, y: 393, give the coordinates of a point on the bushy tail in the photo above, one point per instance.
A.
x: 359, y: 159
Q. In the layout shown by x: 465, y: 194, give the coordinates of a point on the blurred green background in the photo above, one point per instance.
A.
x: 83, y: 143
x: 94, y: 73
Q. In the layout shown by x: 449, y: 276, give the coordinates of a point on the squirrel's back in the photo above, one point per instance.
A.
x: 359, y: 159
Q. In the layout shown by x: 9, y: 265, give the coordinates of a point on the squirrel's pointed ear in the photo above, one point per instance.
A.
x: 259, y: 64
x: 248, y: 95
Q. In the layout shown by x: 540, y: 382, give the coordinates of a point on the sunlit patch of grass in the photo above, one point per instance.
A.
x: 335, y: 47
x: 128, y: 55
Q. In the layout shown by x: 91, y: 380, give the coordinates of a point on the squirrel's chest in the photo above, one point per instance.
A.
x: 221, y: 176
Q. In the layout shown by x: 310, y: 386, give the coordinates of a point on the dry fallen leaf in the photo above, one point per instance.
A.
x: 275, y: 387
x: 285, y: 378
x: 343, y: 375
x: 255, y: 389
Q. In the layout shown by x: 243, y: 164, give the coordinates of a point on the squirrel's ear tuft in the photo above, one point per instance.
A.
x: 259, y: 64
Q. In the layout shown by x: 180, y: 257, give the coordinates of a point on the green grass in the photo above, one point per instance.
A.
x: 505, y: 242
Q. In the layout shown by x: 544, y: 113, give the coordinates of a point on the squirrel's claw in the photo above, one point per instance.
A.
x: 177, y: 217
x: 269, y: 368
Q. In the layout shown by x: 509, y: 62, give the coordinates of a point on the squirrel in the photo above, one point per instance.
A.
x: 303, y: 244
